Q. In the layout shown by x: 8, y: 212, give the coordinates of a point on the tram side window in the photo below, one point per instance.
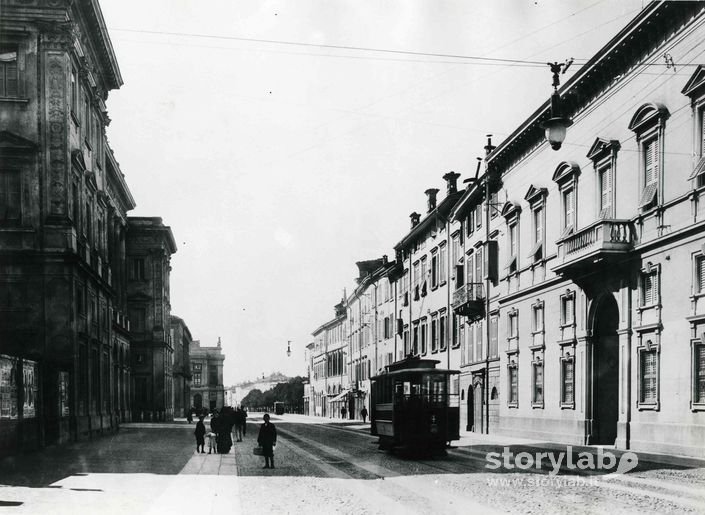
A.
x: 438, y: 393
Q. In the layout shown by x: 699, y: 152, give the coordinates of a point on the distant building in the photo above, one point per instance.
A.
x: 150, y: 245
x: 207, y: 390
x: 236, y: 393
x: 181, y: 341
x: 330, y: 387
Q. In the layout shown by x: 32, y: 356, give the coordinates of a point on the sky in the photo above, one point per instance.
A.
x: 283, y: 141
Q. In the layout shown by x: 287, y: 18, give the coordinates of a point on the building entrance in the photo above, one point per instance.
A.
x: 605, y: 372
x: 475, y: 404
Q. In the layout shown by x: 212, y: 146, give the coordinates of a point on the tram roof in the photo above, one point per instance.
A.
x: 420, y: 370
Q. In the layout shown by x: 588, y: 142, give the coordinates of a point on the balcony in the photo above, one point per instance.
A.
x: 606, y: 241
x: 469, y: 301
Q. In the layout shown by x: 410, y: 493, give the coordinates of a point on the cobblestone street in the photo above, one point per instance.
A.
x: 326, y: 466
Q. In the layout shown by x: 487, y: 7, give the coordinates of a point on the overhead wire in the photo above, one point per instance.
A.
x: 335, y: 47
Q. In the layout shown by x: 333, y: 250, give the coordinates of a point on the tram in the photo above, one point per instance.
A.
x: 412, y: 407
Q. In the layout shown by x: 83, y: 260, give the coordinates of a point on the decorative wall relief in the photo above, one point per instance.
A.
x: 57, y: 138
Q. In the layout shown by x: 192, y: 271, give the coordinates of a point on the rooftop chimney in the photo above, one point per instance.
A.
x: 415, y: 218
x: 451, y: 179
x: 431, y: 193
x: 385, y: 259
x: 489, y: 147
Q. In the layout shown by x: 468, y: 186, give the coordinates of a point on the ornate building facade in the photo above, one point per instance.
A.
x: 64, y: 370
x: 572, y: 281
x: 207, y: 389
x: 599, y: 299
x: 181, y: 370
x: 150, y: 245
x: 66, y: 340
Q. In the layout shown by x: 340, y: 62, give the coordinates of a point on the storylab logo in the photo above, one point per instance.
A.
x: 557, y: 460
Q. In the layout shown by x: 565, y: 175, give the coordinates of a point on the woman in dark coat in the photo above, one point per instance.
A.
x: 267, y: 439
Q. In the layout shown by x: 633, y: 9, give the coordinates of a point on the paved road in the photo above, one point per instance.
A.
x: 325, y: 468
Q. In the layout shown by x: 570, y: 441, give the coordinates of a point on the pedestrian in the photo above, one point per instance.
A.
x: 343, y: 412
x: 244, y: 424
x: 267, y: 439
x: 225, y: 428
x: 239, y: 424
x: 200, y: 432
x: 213, y: 435
x: 189, y: 415
x: 363, y: 414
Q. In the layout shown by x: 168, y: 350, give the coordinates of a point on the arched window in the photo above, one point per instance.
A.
x: 648, y: 124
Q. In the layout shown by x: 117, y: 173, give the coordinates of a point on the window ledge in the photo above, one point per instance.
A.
x: 514, y: 405
x: 697, y: 406
x: 537, y: 405
x: 648, y: 406
x: 14, y: 100
x: 650, y: 306
x: 567, y: 406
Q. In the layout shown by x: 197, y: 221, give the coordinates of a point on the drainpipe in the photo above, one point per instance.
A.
x: 488, y: 150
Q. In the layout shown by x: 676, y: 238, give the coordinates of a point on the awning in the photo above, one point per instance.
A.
x: 340, y: 396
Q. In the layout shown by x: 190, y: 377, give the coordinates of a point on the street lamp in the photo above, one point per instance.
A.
x: 288, y: 348
x: 556, y: 126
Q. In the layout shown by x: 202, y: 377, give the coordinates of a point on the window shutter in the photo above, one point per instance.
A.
x: 650, y: 287
x: 478, y: 265
x: 648, y: 163
x: 569, y: 207
x: 478, y: 341
x: 605, y: 192
x: 700, y: 373
x: 11, y: 78
x: 701, y: 119
x: 701, y: 274
x: 494, y: 336
x: 538, y: 382
x: 648, y: 376
x: 568, y: 382
x: 514, y: 390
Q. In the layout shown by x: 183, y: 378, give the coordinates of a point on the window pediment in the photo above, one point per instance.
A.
x: 602, y: 148
x: 647, y: 116
x: 694, y: 87
x: 78, y: 161
x: 534, y: 194
x: 566, y: 171
x: 11, y: 143
x: 510, y: 209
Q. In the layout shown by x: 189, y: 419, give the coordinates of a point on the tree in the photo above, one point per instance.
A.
x: 254, y: 399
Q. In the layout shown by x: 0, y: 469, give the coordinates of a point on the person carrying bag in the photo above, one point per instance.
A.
x: 267, y: 439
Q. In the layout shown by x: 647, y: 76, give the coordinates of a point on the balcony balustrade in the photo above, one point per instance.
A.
x: 604, y: 240
x: 469, y: 301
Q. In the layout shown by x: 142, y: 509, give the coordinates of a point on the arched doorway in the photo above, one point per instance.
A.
x: 197, y: 401
x: 471, y: 410
x: 605, y: 371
